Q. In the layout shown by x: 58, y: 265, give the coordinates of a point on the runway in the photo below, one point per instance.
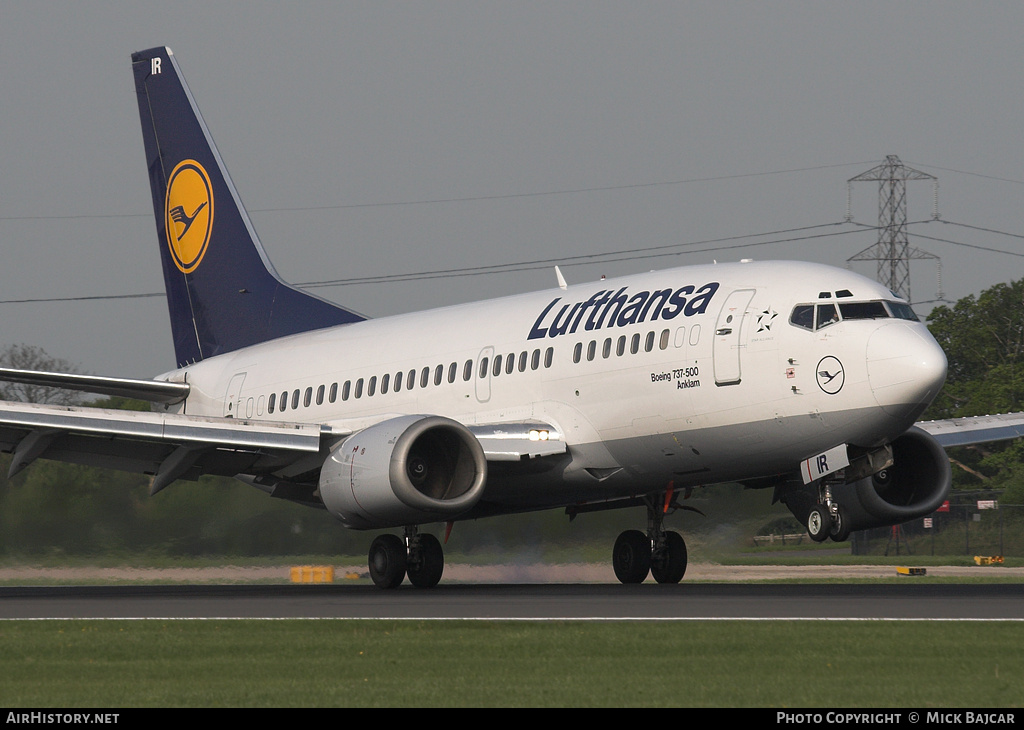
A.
x: 712, y: 601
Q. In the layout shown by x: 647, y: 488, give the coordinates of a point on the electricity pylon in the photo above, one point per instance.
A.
x: 893, y: 252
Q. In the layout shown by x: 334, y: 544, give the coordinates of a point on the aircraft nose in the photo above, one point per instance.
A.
x: 906, y: 368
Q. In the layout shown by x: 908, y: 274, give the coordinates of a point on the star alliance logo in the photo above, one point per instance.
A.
x: 765, y: 319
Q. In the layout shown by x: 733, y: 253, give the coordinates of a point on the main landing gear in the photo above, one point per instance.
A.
x: 419, y: 556
x: 661, y: 553
x: 827, y: 519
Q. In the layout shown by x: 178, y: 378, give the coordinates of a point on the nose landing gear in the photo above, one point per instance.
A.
x: 827, y: 518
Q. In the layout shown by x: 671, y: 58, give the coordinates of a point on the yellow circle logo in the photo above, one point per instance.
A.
x: 188, y: 214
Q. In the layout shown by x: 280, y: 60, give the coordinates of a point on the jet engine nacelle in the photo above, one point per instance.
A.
x: 404, y: 471
x: 915, y: 485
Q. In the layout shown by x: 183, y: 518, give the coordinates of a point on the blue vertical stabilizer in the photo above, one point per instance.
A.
x: 222, y: 291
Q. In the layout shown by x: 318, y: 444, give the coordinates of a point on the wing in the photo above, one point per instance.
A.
x: 172, y: 446
x: 975, y: 429
x: 168, y: 446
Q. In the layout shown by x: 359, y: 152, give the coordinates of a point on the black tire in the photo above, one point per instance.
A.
x: 387, y: 561
x: 631, y: 557
x: 668, y: 564
x: 840, y: 531
x: 426, y: 564
x: 819, y: 523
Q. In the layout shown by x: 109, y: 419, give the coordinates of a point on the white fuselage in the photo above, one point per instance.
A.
x: 685, y: 376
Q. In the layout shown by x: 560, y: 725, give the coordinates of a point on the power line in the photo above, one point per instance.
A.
x: 467, y: 199
x: 970, y: 245
x: 580, y: 260
x: 979, y: 228
x: 975, y: 174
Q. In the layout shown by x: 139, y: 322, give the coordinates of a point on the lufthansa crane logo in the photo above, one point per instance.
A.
x: 830, y: 375
x: 188, y: 214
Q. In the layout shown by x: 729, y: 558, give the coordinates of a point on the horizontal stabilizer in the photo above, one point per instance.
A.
x: 154, y: 391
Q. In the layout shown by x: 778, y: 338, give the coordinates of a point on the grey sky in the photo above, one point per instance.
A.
x: 341, y: 104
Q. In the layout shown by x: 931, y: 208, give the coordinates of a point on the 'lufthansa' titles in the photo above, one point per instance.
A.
x: 609, y: 308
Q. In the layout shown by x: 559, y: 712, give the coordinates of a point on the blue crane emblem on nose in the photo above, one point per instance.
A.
x: 830, y: 375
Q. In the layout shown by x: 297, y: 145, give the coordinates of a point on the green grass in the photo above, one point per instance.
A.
x: 385, y: 663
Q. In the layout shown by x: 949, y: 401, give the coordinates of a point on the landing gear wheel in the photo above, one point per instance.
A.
x: 631, y: 557
x: 840, y: 531
x: 387, y: 561
x: 668, y: 563
x: 426, y: 562
x: 819, y: 523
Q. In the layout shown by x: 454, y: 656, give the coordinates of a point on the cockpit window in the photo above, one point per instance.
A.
x: 826, y: 315
x: 863, y: 310
x: 902, y: 311
x: 817, y: 316
x: 803, y: 316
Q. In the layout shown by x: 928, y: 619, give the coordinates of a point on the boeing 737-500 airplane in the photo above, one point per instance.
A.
x: 799, y: 378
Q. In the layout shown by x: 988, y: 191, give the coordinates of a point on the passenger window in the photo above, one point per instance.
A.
x: 270, y: 402
x: 385, y: 382
x: 510, y: 363
x: 308, y: 397
x: 664, y: 340
x: 411, y: 381
x: 346, y: 389
x: 694, y: 334
x: 320, y: 395
x: 634, y: 344
x: 467, y: 371
x: 453, y: 371
x: 535, y: 360
x: 606, y: 350
x: 591, y: 350
x: 359, y: 388
x: 371, y: 386
x: 424, y: 377
x: 483, y: 367
x: 649, y: 342
x: 333, y: 394
x: 620, y: 346
x: 549, y: 356
x: 284, y: 401
x: 522, y: 361
x: 438, y: 374
x: 577, y: 352
x: 398, y: 381
x: 496, y: 370
x: 295, y: 399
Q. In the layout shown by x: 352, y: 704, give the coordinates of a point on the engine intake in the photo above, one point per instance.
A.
x: 403, y: 471
x: 916, y: 484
